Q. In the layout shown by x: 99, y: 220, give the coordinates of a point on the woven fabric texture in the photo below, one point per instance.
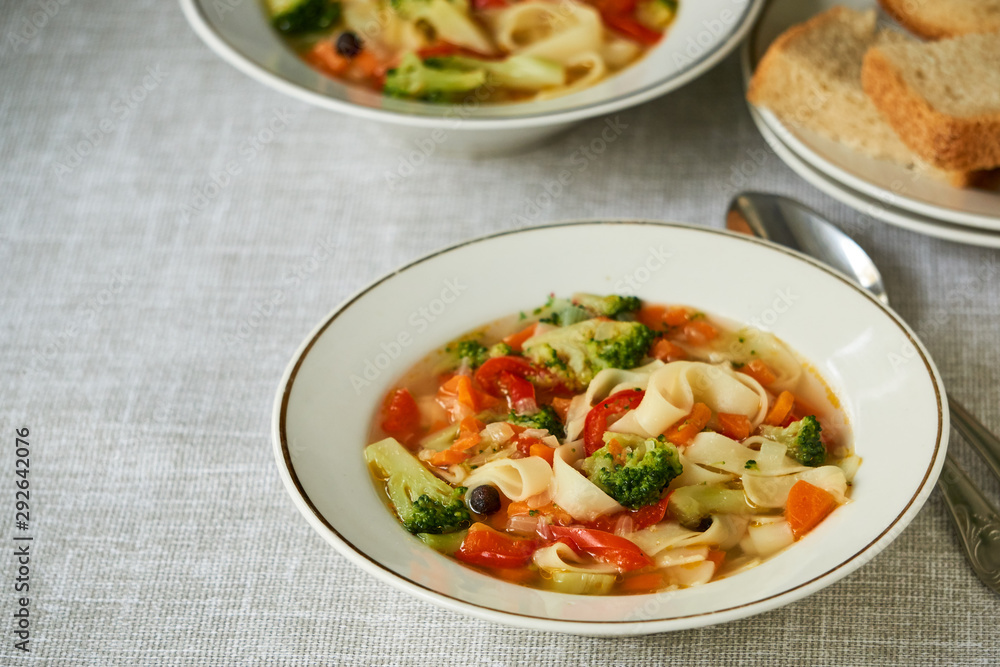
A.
x: 146, y: 318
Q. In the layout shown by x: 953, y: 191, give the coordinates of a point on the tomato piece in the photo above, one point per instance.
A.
x: 615, y: 6
x: 489, y: 4
x: 519, y: 392
x: 487, y: 376
x: 561, y: 406
x: 605, y: 547
x: 604, y: 413
x: 650, y: 515
x: 541, y: 450
x: 734, y: 426
x: 629, y: 27
x: 400, y: 415
x: 491, y: 548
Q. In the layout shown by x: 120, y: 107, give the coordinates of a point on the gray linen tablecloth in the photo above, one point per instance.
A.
x: 147, y: 317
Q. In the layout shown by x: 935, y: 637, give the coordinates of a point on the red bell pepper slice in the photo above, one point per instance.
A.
x: 605, y: 412
x: 605, y: 547
x: 400, y: 415
x: 629, y: 27
x: 490, y: 548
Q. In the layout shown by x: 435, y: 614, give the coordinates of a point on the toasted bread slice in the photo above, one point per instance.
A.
x: 934, y: 19
x: 811, y: 77
x: 942, y: 98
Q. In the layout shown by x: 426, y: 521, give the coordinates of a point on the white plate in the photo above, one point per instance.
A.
x: 863, y: 203
x: 333, y: 387
x: 884, y: 181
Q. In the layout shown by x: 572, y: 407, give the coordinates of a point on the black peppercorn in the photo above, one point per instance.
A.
x: 484, y: 500
x: 348, y: 44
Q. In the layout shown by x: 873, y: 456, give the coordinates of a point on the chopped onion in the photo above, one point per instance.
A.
x: 624, y: 525
x: 523, y: 524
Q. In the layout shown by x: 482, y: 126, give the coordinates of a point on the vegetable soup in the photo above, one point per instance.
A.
x: 456, y: 50
x: 604, y: 445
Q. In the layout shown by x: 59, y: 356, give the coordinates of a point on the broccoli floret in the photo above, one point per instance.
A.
x: 470, y: 350
x: 500, y: 350
x: 424, y: 503
x: 633, y: 470
x: 545, y: 418
x: 414, y: 78
x: 294, y: 17
x: 561, y: 312
x: 613, y: 305
x: 575, y: 353
x: 802, y: 438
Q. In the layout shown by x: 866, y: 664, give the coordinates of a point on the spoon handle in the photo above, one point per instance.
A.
x: 977, y: 435
x: 976, y: 520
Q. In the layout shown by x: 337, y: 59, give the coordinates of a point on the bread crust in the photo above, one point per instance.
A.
x: 920, y: 25
x: 944, y: 141
x: 756, y: 90
x: 913, y: 22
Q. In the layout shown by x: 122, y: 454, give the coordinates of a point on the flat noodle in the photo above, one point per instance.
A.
x: 584, y: 70
x: 717, y: 451
x: 575, y: 493
x: 747, y: 344
x: 606, y: 383
x: 695, y: 474
x: 557, y: 32
x: 674, y: 389
x: 773, y: 491
x: 560, y: 557
x: 725, y: 532
x: 518, y: 479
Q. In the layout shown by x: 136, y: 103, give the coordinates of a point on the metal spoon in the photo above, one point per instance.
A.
x: 791, y: 224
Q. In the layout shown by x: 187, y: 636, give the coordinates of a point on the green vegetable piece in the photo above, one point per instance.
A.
x: 416, y: 79
x: 518, y: 72
x: 295, y: 17
x: 613, y: 305
x: 690, y: 504
x: 423, y: 502
x: 636, y: 476
x: 472, y: 351
x: 802, y: 439
x: 447, y: 544
x: 577, y: 352
x: 582, y: 583
x: 545, y: 418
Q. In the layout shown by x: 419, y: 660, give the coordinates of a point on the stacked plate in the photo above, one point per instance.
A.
x: 876, y: 188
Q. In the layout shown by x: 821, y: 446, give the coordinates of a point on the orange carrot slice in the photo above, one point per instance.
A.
x: 781, y: 408
x: 683, y: 432
x: 807, y: 505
